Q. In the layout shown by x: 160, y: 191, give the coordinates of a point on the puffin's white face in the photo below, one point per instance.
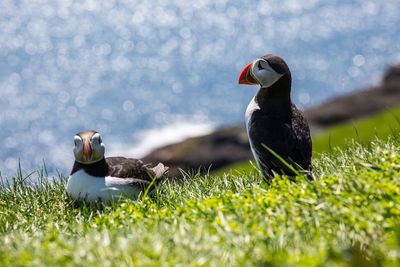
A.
x: 89, y: 147
x: 263, y: 73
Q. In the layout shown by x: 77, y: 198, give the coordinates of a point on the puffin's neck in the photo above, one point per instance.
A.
x: 276, y: 98
x: 99, y: 169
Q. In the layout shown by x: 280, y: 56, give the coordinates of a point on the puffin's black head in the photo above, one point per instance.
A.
x: 264, y: 71
x: 89, y: 147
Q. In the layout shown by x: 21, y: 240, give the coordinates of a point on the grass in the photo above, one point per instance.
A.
x: 349, y: 216
x: 381, y: 125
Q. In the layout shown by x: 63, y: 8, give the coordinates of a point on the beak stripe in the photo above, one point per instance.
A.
x: 252, y: 76
x: 86, y: 149
x: 243, y: 78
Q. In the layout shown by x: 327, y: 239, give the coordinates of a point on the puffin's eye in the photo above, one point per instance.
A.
x: 259, y: 66
x: 100, y: 141
x: 76, y: 140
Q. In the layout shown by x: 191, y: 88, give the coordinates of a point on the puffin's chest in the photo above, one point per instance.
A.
x: 257, y: 122
x: 251, y: 108
x: 82, y: 186
x: 275, y: 119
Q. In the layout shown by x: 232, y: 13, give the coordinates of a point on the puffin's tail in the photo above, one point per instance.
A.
x: 160, y: 170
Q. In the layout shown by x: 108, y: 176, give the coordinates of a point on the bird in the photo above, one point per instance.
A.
x: 96, y: 178
x: 278, y: 132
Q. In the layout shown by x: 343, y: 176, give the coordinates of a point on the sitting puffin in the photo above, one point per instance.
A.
x: 273, y: 122
x: 94, y: 177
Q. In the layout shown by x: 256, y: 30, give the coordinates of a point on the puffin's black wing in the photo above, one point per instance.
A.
x: 290, y: 139
x: 303, y: 146
x: 134, y: 169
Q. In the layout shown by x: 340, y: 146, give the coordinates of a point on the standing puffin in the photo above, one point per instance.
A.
x: 273, y: 122
x: 94, y: 177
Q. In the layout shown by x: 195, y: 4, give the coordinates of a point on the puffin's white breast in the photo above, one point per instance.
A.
x: 253, y: 106
x: 82, y: 186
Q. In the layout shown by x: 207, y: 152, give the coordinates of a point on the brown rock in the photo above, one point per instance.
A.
x: 220, y: 148
x: 358, y: 104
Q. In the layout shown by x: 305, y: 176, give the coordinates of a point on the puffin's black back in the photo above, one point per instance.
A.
x: 120, y: 167
x: 128, y: 168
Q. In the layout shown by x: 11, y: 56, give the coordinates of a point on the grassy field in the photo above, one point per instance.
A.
x: 349, y: 216
x: 381, y: 125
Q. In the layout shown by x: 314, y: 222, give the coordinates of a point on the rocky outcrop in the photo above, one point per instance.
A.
x: 360, y: 103
x: 229, y: 145
x: 220, y: 148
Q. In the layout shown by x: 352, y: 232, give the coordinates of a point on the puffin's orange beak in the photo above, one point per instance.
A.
x: 87, y: 149
x: 243, y: 78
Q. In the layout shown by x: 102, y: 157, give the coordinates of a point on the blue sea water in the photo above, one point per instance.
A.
x: 144, y: 73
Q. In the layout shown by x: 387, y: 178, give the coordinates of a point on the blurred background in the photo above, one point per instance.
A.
x: 150, y: 73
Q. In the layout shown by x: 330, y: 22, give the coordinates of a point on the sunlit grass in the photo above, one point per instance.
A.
x: 380, y: 125
x: 348, y: 216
